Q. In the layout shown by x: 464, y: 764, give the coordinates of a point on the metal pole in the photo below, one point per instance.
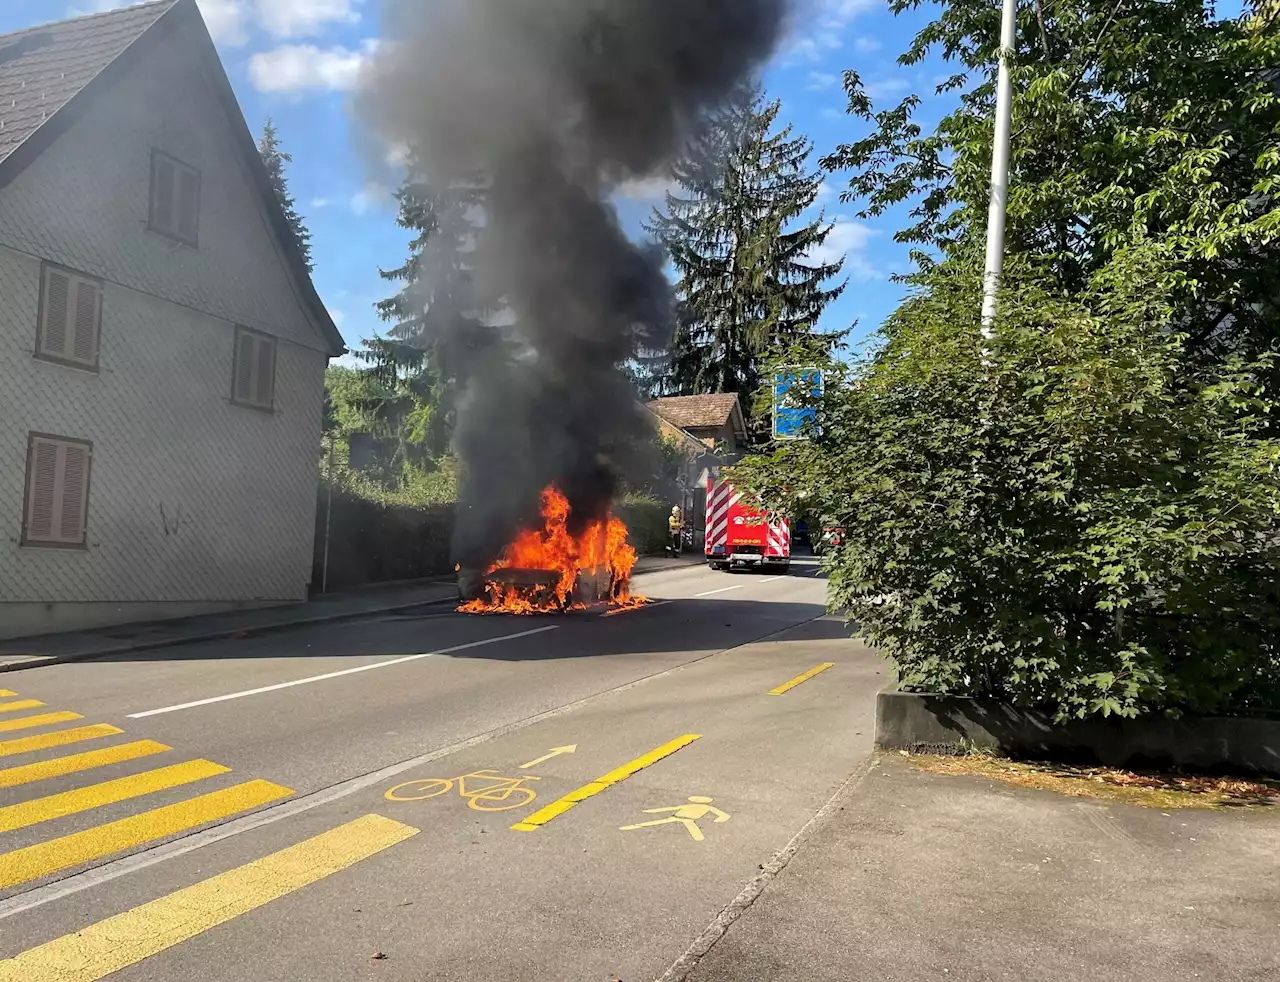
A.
x: 328, y: 517
x: 999, y: 169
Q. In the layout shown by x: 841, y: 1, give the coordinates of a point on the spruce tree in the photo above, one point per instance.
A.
x: 747, y: 287
x: 440, y: 323
x: 274, y: 158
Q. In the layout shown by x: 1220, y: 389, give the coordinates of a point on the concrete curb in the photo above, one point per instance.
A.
x: 926, y: 723
x: 132, y: 647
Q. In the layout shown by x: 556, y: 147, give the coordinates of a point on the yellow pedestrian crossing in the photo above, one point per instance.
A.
x: 128, y: 938
x: 13, y: 707
x: 53, y: 855
x: 106, y: 793
x: 148, y: 825
x: 28, y: 722
x: 59, y: 738
x: 74, y: 763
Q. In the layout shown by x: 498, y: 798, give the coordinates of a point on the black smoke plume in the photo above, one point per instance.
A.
x: 553, y: 103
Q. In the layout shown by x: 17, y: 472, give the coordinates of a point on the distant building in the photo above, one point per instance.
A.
x: 714, y: 420
x: 162, y: 349
x: 713, y: 431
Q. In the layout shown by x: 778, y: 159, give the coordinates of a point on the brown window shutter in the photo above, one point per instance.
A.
x: 57, y: 304
x: 162, y: 195
x: 244, y: 367
x: 266, y: 373
x: 42, y: 491
x: 188, y: 204
x: 85, y: 336
x: 75, y: 482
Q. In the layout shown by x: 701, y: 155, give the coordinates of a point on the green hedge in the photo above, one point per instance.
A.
x: 372, y: 542
x: 379, y: 542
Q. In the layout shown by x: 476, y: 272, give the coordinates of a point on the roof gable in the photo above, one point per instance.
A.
x: 700, y: 412
x: 43, y: 68
x: 69, y: 63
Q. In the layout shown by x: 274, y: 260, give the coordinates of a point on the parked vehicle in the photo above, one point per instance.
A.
x: 740, y: 535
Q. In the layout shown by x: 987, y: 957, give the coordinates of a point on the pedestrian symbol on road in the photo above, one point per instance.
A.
x: 686, y: 815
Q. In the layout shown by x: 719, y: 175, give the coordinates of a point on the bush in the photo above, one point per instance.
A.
x: 646, y: 521
x: 1087, y: 521
x: 375, y: 542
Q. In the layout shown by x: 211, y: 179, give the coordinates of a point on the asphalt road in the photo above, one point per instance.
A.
x: 292, y: 806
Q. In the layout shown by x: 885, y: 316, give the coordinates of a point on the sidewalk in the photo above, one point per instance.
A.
x: 924, y: 876
x: 364, y: 601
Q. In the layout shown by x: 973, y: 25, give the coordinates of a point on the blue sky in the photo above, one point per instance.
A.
x: 297, y: 60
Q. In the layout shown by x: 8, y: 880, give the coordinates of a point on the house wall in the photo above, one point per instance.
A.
x: 195, y: 504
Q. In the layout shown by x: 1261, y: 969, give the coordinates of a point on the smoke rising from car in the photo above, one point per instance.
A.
x: 550, y: 105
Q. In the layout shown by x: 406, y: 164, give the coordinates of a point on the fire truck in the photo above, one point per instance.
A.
x: 739, y: 535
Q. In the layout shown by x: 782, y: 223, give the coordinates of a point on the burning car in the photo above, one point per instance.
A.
x: 552, y: 570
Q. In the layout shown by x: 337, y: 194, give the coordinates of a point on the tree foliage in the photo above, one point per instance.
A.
x: 275, y: 159
x: 1083, y: 512
x: 440, y: 325
x: 1156, y: 116
x: 1088, y: 520
x: 734, y: 228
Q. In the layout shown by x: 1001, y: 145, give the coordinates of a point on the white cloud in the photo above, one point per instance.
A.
x: 318, y: 203
x: 304, y: 18
x: 866, y: 45
x: 398, y: 155
x: 369, y: 197
x: 295, y: 68
x: 823, y: 31
x: 646, y: 189
x: 889, y: 87
x: 848, y: 240
x: 337, y: 317
x: 224, y: 18
x: 821, y: 81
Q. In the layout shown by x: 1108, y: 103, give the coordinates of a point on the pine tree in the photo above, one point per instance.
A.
x: 440, y: 324
x: 747, y: 288
x: 274, y: 158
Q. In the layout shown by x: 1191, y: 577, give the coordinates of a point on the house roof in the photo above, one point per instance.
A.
x: 699, y: 412
x: 43, y: 67
x: 50, y: 74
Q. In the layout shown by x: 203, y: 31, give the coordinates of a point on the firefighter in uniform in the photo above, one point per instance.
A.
x: 675, y: 526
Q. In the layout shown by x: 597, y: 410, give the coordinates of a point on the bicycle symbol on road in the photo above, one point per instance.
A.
x: 485, y: 791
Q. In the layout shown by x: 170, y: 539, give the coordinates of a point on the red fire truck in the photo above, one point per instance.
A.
x: 739, y: 535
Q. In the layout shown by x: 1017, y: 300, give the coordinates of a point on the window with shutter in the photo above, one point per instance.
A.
x: 175, y: 199
x: 57, y: 491
x: 254, y: 384
x: 70, y: 319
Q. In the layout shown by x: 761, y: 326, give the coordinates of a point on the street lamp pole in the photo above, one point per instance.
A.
x: 999, y: 169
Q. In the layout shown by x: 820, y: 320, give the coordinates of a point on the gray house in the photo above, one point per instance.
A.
x: 162, y: 349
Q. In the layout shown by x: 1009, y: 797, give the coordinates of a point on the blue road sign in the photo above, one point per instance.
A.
x: 794, y: 392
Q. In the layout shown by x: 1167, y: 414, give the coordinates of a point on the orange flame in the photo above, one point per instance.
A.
x: 600, y: 549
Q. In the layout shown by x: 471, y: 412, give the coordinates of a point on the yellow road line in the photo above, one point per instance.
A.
x: 107, y: 793
x: 25, y: 745
x: 7, y: 692
x: 545, y: 814
x: 787, y: 686
x: 26, y: 722
x: 128, y: 938
x: 74, y: 763
x: 13, y: 707
x: 52, y: 855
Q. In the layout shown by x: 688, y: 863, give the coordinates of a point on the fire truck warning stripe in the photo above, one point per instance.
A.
x: 788, y: 686
x: 545, y: 814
